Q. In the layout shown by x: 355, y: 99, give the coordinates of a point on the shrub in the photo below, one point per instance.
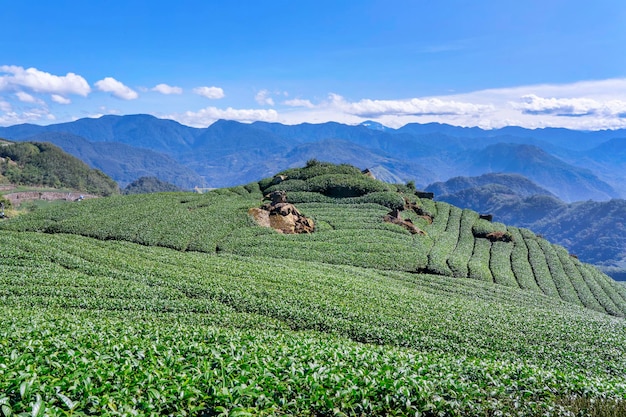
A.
x: 321, y: 168
x: 384, y: 198
x: 289, y: 185
x: 483, y: 228
x: 344, y: 185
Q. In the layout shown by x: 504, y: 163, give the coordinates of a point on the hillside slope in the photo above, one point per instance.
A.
x: 568, y: 182
x: 348, y: 209
x: 43, y: 164
x: 592, y: 230
x: 123, y: 163
x: 179, y: 303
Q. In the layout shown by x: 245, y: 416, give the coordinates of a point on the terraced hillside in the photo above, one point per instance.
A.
x: 180, y: 304
x: 350, y: 231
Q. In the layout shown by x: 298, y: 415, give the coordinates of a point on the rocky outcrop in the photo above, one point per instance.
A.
x: 395, y: 217
x: 281, y: 216
x: 408, y: 205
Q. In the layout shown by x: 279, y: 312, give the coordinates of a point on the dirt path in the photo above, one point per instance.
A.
x: 22, y: 197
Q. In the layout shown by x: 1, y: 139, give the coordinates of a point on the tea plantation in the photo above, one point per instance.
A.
x: 180, y: 304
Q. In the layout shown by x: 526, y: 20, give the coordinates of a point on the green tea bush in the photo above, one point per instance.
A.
x: 344, y: 185
x: 321, y: 168
x: 445, y: 245
x: 483, y: 227
x: 590, y: 277
x: 520, y: 264
x: 572, y: 272
x: 253, y: 188
x: 609, y: 287
x: 478, y: 264
x: 540, y: 266
x: 289, y: 186
x: 500, y: 264
x: 461, y: 255
x: 391, y: 200
x: 561, y: 280
x: 387, y: 199
x: 304, y: 197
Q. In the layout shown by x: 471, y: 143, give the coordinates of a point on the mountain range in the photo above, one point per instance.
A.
x: 563, y: 183
x: 573, y: 165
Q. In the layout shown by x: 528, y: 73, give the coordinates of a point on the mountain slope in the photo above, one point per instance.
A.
x: 183, y: 293
x: 122, y: 162
x: 568, y: 182
x: 456, y: 244
x: 592, y: 230
x: 516, y: 183
x: 43, y: 164
x: 141, y: 130
x: 569, y: 163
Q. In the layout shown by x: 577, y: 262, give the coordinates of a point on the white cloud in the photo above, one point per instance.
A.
x: 209, y: 92
x: 410, y: 107
x: 533, y: 104
x: 298, y: 102
x: 116, y: 88
x: 32, y: 115
x: 60, y: 99
x: 42, y: 82
x: 208, y: 115
x: 167, y: 89
x: 27, y: 98
x: 264, y: 98
x: 5, y: 106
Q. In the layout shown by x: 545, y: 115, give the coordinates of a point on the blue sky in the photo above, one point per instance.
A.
x: 470, y: 63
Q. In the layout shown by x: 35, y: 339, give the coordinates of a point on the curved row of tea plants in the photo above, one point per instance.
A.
x: 115, y: 328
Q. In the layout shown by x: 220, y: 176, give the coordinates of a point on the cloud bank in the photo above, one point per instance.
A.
x: 209, y: 115
x: 33, y: 95
x: 572, y: 107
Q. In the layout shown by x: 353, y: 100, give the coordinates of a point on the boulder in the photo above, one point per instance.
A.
x: 395, y: 217
x: 281, y: 216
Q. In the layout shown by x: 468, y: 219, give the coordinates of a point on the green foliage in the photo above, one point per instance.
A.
x: 320, y: 168
x: 483, y: 227
x: 107, y: 328
x: 445, y: 245
x: 345, y: 185
x: 520, y: 262
x: 289, y: 186
x: 7, y: 203
x: 182, y: 305
x: 146, y: 185
x: 500, y: 264
x: 459, y: 259
x: 43, y: 164
x: 350, y: 231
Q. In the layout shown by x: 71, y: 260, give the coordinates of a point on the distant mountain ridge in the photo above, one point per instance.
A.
x: 574, y: 165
